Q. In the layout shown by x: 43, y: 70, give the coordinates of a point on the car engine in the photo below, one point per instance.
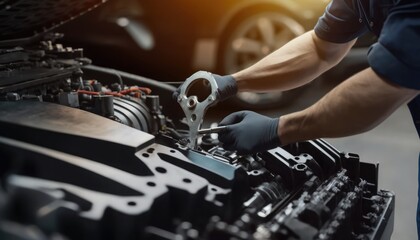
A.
x: 95, y: 153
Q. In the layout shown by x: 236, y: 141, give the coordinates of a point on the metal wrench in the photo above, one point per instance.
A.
x: 212, y: 130
x: 195, y: 110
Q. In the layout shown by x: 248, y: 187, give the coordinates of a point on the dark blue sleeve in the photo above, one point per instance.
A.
x: 340, y: 22
x: 396, y: 56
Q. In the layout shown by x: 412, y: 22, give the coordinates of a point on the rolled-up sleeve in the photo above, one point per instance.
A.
x: 340, y: 22
x: 396, y: 56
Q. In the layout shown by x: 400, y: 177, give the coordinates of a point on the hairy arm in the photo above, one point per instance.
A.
x: 295, y: 64
x: 355, y: 106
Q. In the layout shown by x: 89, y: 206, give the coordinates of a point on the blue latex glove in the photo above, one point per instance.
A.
x: 227, y: 87
x: 249, y: 132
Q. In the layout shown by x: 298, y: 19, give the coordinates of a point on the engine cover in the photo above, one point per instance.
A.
x: 77, y: 175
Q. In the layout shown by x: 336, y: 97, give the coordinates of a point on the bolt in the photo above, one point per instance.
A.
x: 192, y: 102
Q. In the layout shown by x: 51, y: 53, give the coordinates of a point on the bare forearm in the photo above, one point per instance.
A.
x: 357, y: 105
x: 295, y: 64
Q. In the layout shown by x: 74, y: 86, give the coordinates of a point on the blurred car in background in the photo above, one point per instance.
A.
x: 168, y: 40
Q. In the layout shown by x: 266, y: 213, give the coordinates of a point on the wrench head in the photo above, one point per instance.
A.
x: 195, y: 108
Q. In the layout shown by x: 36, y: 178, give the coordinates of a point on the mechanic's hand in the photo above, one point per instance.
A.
x: 227, y: 87
x: 249, y: 132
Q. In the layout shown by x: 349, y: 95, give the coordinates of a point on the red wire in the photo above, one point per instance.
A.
x: 134, y: 89
x: 99, y: 93
x: 118, y: 94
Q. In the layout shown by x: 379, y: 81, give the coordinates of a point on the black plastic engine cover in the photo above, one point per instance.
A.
x: 93, y: 178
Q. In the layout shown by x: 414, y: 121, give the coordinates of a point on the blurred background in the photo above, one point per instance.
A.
x: 168, y: 40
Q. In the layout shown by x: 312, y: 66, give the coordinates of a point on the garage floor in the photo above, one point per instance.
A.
x: 394, y: 144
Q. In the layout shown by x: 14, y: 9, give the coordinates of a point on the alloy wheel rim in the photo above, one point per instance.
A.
x: 255, y: 38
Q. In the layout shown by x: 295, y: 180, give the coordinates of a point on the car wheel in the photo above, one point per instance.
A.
x: 250, y: 38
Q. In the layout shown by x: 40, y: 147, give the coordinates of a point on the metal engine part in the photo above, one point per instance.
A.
x: 193, y: 108
x: 132, y: 185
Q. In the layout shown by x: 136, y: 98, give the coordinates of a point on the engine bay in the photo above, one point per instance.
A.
x: 95, y: 153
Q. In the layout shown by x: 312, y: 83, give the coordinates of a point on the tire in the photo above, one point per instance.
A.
x: 251, y: 37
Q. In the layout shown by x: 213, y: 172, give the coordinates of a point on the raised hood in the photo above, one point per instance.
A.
x: 23, y: 20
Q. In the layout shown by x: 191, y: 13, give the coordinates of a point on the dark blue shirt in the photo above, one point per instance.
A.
x: 396, y: 55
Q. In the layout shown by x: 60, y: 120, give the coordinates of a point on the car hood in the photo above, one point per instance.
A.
x: 22, y: 20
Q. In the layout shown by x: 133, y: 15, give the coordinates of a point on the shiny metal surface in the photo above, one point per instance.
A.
x: 212, y: 130
x: 194, y: 109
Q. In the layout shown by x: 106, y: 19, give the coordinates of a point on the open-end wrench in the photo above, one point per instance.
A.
x: 195, y: 110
